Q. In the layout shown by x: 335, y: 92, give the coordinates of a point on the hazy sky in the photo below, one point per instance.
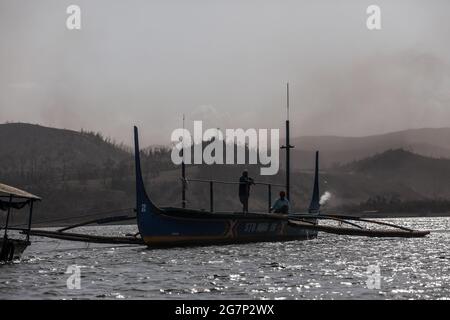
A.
x: 226, y: 62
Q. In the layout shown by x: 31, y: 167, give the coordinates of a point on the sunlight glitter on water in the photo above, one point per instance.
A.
x: 330, y: 267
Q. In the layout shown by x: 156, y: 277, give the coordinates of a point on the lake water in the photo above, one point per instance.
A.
x: 329, y: 267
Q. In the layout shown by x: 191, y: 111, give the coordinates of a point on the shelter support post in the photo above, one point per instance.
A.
x: 29, y: 220
x: 7, y: 216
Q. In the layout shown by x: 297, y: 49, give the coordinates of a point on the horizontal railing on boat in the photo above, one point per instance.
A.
x: 211, y: 189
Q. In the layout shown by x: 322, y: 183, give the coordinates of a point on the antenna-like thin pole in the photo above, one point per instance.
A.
x: 287, y: 101
x: 287, y: 147
x: 183, y: 173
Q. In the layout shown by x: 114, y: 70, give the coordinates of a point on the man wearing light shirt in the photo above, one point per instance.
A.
x: 281, y: 205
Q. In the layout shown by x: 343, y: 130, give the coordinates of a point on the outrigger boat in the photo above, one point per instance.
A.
x: 161, y: 227
x: 13, y: 198
x: 170, y: 226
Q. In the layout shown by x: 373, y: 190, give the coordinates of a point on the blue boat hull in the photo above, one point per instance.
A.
x: 180, y: 227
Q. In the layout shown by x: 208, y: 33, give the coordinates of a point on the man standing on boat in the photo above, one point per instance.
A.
x: 281, y: 205
x: 244, y: 189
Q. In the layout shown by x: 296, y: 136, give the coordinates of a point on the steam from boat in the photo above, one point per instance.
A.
x: 324, y: 198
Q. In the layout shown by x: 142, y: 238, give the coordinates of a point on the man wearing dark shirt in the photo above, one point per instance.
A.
x: 244, y: 189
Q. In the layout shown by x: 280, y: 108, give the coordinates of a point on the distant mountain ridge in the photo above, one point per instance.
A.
x: 24, y: 140
x: 430, y: 142
x: 56, y: 146
x: 429, y: 177
x: 73, y: 171
x: 83, y: 172
x: 392, y: 181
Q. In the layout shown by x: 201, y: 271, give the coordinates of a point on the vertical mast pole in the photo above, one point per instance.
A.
x: 287, y: 147
x: 183, y: 174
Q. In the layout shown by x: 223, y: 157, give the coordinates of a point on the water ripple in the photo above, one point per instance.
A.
x: 330, y: 267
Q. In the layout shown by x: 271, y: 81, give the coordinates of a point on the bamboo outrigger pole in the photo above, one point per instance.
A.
x: 287, y: 147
